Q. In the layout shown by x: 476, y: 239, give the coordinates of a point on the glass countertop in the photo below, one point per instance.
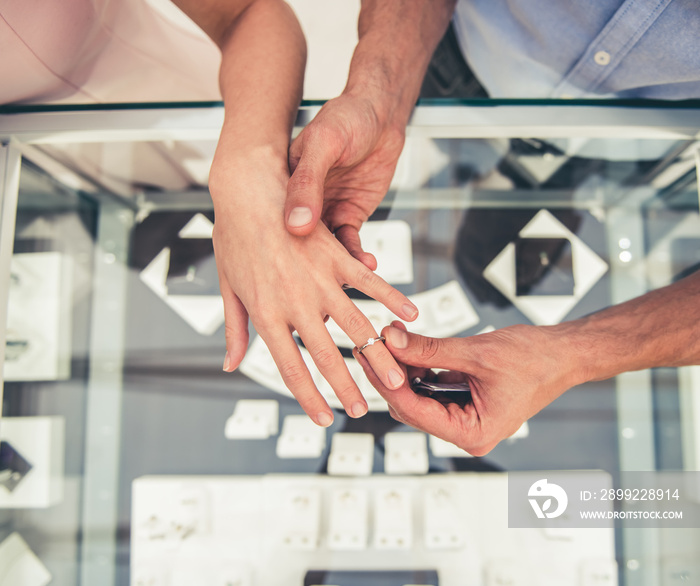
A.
x: 131, y: 465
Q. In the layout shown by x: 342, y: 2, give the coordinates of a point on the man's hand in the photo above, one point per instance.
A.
x: 513, y: 373
x: 343, y: 161
x: 342, y: 164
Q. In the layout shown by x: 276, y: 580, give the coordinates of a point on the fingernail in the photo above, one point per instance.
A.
x: 397, y: 338
x: 358, y: 409
x: 227, y: 362
x: 299, y: 217
x: 410, y: 311
x: 395, y: 378
x: 324, y: 419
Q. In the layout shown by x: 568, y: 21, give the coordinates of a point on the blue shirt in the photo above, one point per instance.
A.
x: 585, y: 48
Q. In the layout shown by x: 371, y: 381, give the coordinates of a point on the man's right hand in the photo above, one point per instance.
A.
x: 342, y: 164
x: 513, y: 373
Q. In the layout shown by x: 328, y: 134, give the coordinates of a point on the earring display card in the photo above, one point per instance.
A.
x: 38, y: 345
x: 352, y: 454
x: 19, y: 565
x: 543, y: 266
x: 348, y: 519
x: 253, y: 419
x: 301, y: 519
x: 13, y: 466
x: 405, y: 453
x: 393, y: 519
x: 301, y: 438
x: 545, y: 300
x: 182, y: 272
x: 192, y: 268
x: 442, y: 531
x: 40, y: 441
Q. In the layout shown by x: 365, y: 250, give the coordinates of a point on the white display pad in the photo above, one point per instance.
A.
x: 352, y: 454
x: 19, y: 565
x: 393, y: 518
x: 39, y: 317
x: 301, y: 438
x: 348, y: 519
x: 405, y: 453
x: 390, y: 243
x: 41, y: 442
x: 273, y: 529
x: 546, y: 310
x: 253, y: 419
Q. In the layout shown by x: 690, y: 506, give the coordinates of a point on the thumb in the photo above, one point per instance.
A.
x: 416, y: 350
x: 310, y: 158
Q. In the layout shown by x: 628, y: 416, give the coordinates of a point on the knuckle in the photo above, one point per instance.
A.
x: 263, y: 321
x: 230, y: 332
x: 293, y: 373
x: 354, y: 322
x: 303, y: 179
x: 346, y: 392
x: 325, y: 357
x: 430, y: 348
x: 365, y: 279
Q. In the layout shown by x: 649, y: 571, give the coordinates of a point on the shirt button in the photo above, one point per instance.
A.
x: 602, y: 57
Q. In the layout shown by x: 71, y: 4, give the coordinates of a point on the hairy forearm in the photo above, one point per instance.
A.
x: 396, y: 41
x: 661, y: 328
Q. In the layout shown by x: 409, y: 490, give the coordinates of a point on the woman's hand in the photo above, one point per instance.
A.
x: 287, y: 283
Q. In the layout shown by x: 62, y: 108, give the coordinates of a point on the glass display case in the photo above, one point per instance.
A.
x: 129, y: 457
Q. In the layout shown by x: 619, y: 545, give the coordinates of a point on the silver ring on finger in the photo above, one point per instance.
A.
x: 371, y: 342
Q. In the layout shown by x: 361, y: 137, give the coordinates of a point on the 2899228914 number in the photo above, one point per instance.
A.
x: 639, y: 494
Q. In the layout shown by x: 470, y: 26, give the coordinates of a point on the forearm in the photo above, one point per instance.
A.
x: 261, y: 78
x: 661, y: 328
x: 397, y: 39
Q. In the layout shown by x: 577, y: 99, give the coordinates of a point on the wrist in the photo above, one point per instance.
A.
x: 574, y: 348
x: 248, y: 187
x: 385, y: 81
x: 391, y: 37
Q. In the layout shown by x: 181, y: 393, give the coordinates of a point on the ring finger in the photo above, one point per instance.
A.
x: 332, y: 366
